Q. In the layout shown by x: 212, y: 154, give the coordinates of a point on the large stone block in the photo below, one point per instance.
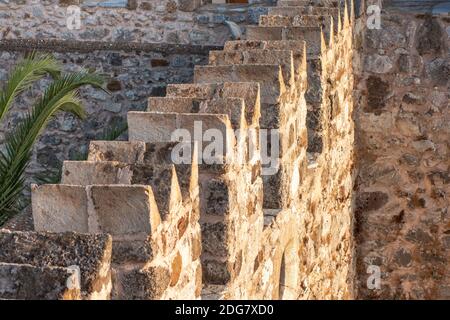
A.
x: 309, y: 34
x: 151, y: 126
x: 249, y: 91
x: 26, y: 282
x: 214, y: 239
x: 90, y: 253
x: 59, y: 208
x: 268, y: 76
x: 215, y: 272
x: 123, y: 210
x: 95, y: 172
x: 295, y: 21
x: 121, y: 151
x: 132, y: 152
x: 173, y: 104
x: 189, y: 5
x: 306, y: 3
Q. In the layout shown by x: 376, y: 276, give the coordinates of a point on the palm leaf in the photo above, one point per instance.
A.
x: 61, y: 95
x: 52, y: 177
x: 114, y: 131
x: 29, y: 70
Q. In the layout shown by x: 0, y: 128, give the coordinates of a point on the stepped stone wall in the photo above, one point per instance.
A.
x: 140, y: 47
x: 233, y: 225
x: 149, y: 209
x: 131, y: 76
x: 359, y: 179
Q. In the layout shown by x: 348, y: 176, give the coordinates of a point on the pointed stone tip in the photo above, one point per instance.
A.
x: 323, y: 45
x: 176, y: 198
x: 305, y: 53
x: 193, y: 183
x: 346, y: 19
x: 331, y: 41
x: 339, y: 22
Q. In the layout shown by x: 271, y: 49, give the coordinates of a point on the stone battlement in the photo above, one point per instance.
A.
x: 238, y: 227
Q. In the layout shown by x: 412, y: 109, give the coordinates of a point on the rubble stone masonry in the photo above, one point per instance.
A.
x: 360, y: 184
x: 139, y: 46
x: 402, y: 130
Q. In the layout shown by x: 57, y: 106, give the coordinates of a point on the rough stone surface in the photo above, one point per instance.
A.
x: 154, y: 227
x: 90, y: 253
x: 316, y: 223
x: 402, y: 193
x: 26, y: 282
x: 181, y: 21
x: 134, y: 79
x: 251, y: 226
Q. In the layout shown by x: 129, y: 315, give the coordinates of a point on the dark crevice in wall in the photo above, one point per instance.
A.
x: 89, y: 46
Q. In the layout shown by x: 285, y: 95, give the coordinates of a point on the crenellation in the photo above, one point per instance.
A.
x: 121, y: 151
x: 154, y: 226
x: 280, y: 21
x: 253, y: 182
x: 301, y: 11
x: 233, y: 107
x: 305, y: 3
x: 283, y: 58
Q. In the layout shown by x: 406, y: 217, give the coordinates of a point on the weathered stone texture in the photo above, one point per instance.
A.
x: 166, y: 21
x: 246, y: 228
x: 154, y: 227
x: 46, y: 264
x: 402, y: 190
x: 132, y: 78
x: 26, y: 282
x: 352, y: 189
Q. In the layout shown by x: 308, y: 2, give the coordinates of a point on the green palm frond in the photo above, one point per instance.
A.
x: 114, y: 131
x: 52, y: 177
x: 28, y: 71
x: 61, y: 95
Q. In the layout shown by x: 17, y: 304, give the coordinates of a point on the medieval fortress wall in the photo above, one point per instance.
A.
x: 138, y: 45
x: 150, y: 21
x: 309, y: 82
x: 402, y: 135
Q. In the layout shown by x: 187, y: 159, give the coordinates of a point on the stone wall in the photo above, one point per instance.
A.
x: 131, y: 77
x: 329, y: 181
x: 356, y: 189
x: 305, y: 249
x: 278, y: 234
x: 149, y: 207
x: 155, y: 21
x: 140, y: 47
x: 48, y: 266
x: 402, y: 126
